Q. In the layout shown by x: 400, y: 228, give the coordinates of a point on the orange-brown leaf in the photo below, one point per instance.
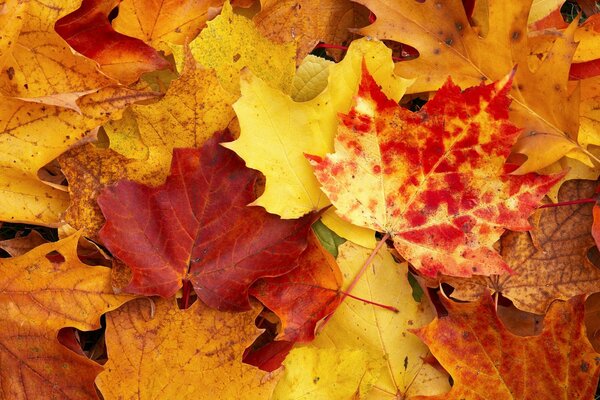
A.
x: 488, y: 362
x: 157, y: 351
x: 37, y: 298
x: 435, y: 180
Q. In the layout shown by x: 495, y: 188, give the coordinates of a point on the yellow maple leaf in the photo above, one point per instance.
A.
x: 37, y: 298
x: 277, y: 131
x: 231, y: 42
x: 395, y: 366
x: 180, y: 354
x: 193, y: 109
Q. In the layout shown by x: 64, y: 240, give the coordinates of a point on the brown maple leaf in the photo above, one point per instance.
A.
x: 550, y: 262
x: 434, y: 180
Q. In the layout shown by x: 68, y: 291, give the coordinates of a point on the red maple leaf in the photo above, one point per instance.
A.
x: 197, y: 226
x: 304, y: 296
x: 435, y: 180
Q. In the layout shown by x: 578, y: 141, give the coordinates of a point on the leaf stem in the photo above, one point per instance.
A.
x: 385, y: 306
x: 568, y: 203
x: 363, y: 269
x: 185, y: 296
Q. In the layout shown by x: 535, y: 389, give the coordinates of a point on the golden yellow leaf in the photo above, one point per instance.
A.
x: 32, y: 135
x: 37, y: 298
x: 326, y: 374
x: 449, y: 45
x: 160, y: 22
x: 155, y: 350
x: 309, y: 21
x: 231, y: 42
x: 277, y: 131
x: 193, y: 109
x: 550, y: 262
x: 11, y: 21
x: 383, y: 334
x: 40, y: 63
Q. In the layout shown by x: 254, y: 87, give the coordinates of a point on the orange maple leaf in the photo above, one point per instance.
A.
x: 435, y: 180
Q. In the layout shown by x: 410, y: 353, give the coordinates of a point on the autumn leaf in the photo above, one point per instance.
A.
x: 33, y: 134
x: 488, y: 362
x: 304, y: 296
x: 434, y: 180
x: 37, y: 63
x: 164, y: 22
x: 550, y: 262
x: 449, y: 45
x: 309, y: 21
x: 37, y: 298
x: 231, y: 43
x: 20, y: 245
x: 122, y: 57
x: 159, y: 351
x: 219, y: 244
x: 392, y: 358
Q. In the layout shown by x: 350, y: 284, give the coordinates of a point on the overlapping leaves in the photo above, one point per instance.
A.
x: 134, y: 103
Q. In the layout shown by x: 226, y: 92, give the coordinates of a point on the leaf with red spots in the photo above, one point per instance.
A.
x: 434, y: 180
x: 486, y: 361
x: 88, y: 31
x: 304, y: 296
x: 197, y: 227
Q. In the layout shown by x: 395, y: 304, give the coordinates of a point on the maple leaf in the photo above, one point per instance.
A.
x: 164, y: 22
x: 231, y: 42
x: 550, y: 262
x: 392, y: 364
x: 592, y: 319
x: 37, y: 298
x: 488, y: 362
x: 218, y: 243
x: 309, y: 21
x: 88, y: 31
x: 180, y: 354
x: 33, y: 134
x: 277, y: 130
x: 449, y: 45
x: 194, y: 107
x: 434, y: 179
x: 304, y: 296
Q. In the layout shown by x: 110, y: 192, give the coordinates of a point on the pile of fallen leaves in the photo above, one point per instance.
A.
x: 408, y: 212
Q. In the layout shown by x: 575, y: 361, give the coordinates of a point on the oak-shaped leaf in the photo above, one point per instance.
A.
x: 435, y: 180
x: 197, y: 226
x: 486, y: 361
x: 41, y: 292
x: 304, y: 296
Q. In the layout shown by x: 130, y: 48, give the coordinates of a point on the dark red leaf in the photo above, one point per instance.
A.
x: 197, y: 226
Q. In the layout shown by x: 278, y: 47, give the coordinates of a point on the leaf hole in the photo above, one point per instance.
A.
x: 55, y: 257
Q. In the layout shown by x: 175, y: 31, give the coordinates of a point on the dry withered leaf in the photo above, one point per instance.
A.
x: 550, y: 262
x: 309, y: 22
